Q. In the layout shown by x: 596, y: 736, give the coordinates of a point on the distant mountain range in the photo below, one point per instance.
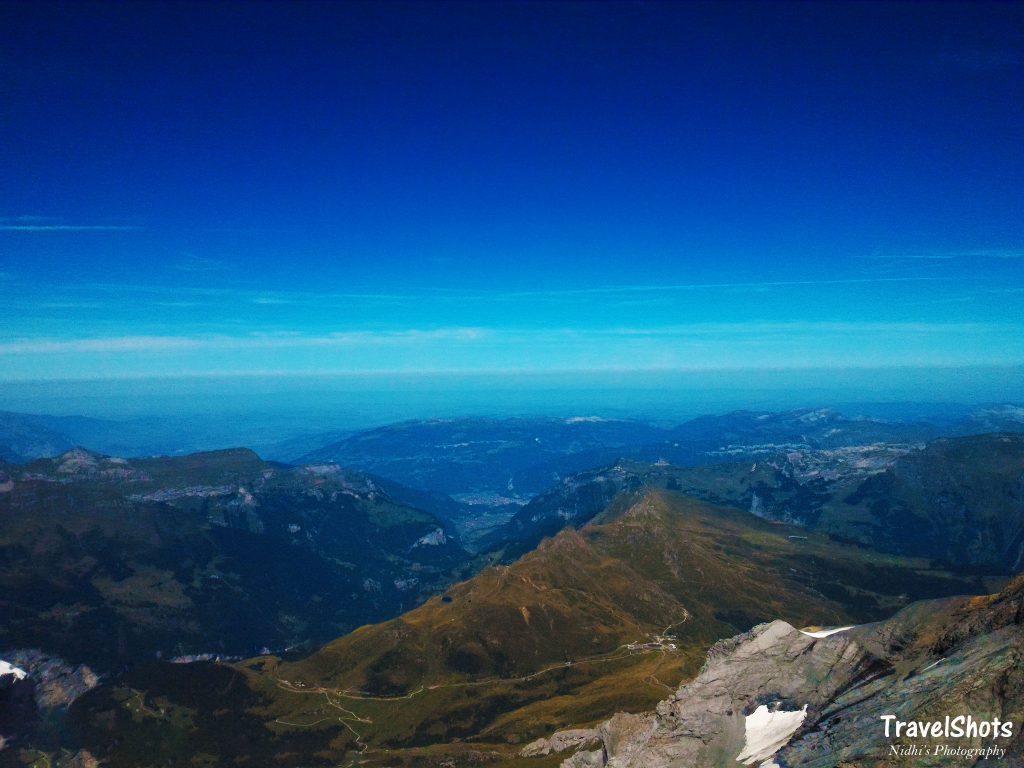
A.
x: 24, y: 438
x: 493, y: 466
x: 957, y: 501
x: 491, y: 460
x: 503, y: 459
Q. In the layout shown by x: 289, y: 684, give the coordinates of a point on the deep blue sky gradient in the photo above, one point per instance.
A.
x: 241, y: 189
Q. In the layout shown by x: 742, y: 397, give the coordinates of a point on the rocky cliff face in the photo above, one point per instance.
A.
x: 778, y: 697
x: 36, y: 691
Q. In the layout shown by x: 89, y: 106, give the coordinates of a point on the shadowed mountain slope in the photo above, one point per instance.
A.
x: 956, y: 500
x: 108, y: 561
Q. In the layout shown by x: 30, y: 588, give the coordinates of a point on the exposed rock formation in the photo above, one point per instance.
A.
x: 561, y: 741
x: 35, y: 687
x: 776, y: 696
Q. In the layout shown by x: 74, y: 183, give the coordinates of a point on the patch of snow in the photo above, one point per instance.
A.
x: 321, y: 469
x: 933, y: 664
x: 433, y: 539
x: 768, y: 731
x: 814, y: 416
x: 826, y: 632
x: 171, y: 494
x: 756, y: 505
x: 1008, y: 411
x: 191, y: 658
x: 6, y: 668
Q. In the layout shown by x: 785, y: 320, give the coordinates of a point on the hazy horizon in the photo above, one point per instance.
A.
x: 357, y: 401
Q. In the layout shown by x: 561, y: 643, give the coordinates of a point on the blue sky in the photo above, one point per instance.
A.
x: 260, y: 189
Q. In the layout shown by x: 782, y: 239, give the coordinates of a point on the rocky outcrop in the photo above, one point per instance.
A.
x: 779, y: 697
x: 57, y: 683
x: 81, y: 759
x: 561, y: 741
x: 36, y: 687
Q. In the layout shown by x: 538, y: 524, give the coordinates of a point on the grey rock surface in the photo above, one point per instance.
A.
x: 960, y: 656
x: 560, y: 741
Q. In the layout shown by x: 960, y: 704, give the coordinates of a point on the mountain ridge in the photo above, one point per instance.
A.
x: 106, y: 560
x: 957, y: 500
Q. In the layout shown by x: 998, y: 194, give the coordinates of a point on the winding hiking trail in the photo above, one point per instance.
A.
x: 659, y: 643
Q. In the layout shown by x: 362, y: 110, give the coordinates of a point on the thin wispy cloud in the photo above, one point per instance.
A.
x: 189, y: 295
x: 70, y: 305
x: 57, y: 224
x: 813, y: 328
x: 683, y: 287
x: 199, y: 264
x: 244, y: 294
x: 70, y: 228
x: 248, y: 230
x: 699, y: 346
x: 412, y: 337
x: 974, y: 253
x: 282, y: 340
